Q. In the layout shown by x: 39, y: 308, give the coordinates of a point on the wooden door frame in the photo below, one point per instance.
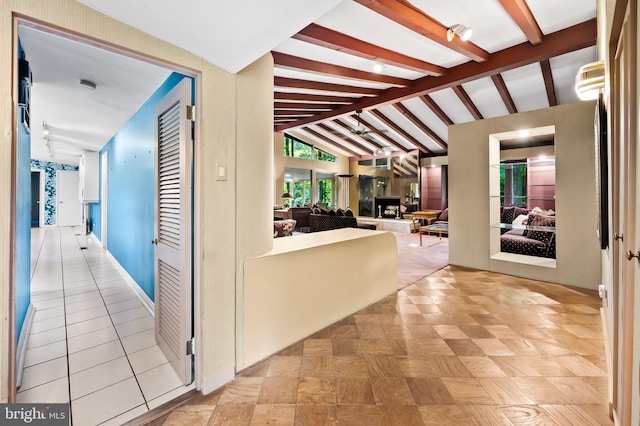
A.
x: 196, y: 74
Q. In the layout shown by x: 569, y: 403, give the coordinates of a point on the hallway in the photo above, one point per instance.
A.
x: 92, y: 340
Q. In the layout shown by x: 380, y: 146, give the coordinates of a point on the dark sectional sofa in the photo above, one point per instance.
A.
x: 524, y: 240
x: 323, y: 220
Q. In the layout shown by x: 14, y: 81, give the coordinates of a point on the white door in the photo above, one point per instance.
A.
x: 173, y: 229
x: 69, y: 206
x: 104, y: 190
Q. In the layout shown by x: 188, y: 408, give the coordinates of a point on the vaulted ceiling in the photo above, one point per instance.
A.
x: 523, y: 55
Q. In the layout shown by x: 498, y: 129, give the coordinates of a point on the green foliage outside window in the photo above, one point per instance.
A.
x: 296, y: 148
x: 325, y: 191
x: 518, y: 184
x: 324, y: 156
x: 301, y: 193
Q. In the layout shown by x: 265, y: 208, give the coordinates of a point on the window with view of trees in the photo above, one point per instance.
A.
x: 513, y: 184
x: 301, y: 191
x: 294, y: 147
x: 325, y: 191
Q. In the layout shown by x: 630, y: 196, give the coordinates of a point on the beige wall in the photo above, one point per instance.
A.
x: 311, y: 281
x: 578, y: 251
x: 281, y: 161
x: 234, y: 129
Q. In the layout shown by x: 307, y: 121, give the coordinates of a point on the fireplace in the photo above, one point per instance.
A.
x: 387, y: 207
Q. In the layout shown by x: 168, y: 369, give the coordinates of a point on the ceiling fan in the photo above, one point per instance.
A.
x: 360, y: 130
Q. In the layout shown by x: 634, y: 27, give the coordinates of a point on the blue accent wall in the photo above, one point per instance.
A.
x: 131, y: 192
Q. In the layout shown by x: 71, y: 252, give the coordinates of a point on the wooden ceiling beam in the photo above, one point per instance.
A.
x: 420, y: 125
x: 401, y: 171
x: 428, y: 101
x: 399, y: 130
x: 282, y: 60
x: 564, y: 41
x: 329, y: 87
x: 309, y: 97
x: 545, y: 66
x: 498, y: 81
x: 303, y: 106
x: 467, y: 101
x: 521, y: 14
x: 413, y: 18
x: 291, y: 114
x: 330, y: 141
x: 330, y: 39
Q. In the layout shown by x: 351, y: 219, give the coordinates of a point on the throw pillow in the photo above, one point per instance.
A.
x: 331, y: 212
x: 348, y: 212
x: 508, y: 214
x: 517, y: 211
x: 520, y: 219
x: 444, y: 216
x: 540, y: 220
x: 339, y: 212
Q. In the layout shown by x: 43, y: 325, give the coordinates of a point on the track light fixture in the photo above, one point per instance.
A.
x: 463, y: 32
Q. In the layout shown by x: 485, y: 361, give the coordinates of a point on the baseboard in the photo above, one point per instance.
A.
x: 607, y: 354
x: 21, y: 350
x: 148, y: 303
x: 217, y: 381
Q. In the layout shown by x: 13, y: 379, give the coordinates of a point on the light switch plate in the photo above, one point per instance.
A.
x: 221, y: 171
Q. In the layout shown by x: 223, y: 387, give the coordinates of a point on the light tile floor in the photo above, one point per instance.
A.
x: 92, y: 340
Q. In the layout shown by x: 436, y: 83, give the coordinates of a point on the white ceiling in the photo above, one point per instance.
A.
x: 229, y: 34
x: 80, y: 119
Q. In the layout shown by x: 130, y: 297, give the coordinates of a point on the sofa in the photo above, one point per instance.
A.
x: 301, y: 216
x: 324, y: 220
x: 519, y: 238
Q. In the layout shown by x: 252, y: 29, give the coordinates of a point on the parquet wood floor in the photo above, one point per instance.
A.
x: 460, y: 347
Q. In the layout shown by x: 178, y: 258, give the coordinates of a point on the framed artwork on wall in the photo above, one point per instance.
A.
x: 602, y: 171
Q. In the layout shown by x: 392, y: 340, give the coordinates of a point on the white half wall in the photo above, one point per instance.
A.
x: 308, y: 282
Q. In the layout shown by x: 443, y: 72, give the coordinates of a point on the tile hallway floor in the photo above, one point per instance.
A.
x: 92, y: 340
x: 459, y: 347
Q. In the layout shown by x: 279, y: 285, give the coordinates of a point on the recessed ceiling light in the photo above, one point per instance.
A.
x: 524, y: 133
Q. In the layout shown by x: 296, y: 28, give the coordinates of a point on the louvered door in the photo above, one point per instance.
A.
x: 173, y: 229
